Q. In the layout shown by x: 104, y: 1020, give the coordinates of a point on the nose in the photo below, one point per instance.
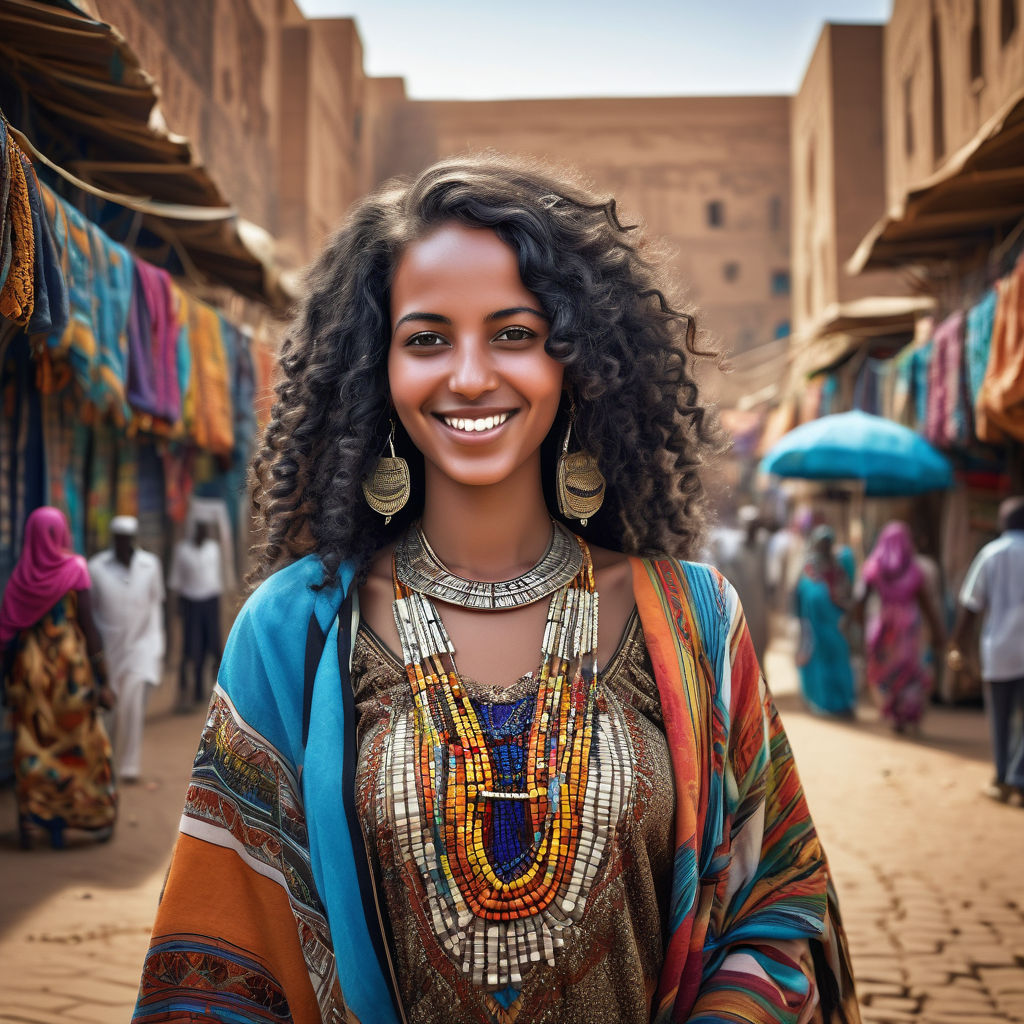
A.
x: 473, y: 373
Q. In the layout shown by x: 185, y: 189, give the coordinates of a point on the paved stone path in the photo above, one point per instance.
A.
x: 930, y: 874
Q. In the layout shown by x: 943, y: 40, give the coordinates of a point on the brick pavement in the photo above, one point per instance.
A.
x: 930, y: 875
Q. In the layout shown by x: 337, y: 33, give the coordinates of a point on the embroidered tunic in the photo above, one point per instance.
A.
x: 268, y: 914
x: 608, y: 967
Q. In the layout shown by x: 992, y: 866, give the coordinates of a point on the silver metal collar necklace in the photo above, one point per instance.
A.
x: 420, y: 569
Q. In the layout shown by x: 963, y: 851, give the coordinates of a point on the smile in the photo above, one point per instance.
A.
x: 473, y: 426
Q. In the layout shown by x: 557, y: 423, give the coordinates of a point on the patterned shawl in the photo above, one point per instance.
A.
x: 269, y: 914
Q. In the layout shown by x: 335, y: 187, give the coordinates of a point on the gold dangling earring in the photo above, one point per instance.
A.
x: 388, y: 487
x: 580, y: 484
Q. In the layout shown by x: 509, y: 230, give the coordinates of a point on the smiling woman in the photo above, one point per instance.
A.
x: 436, y: 785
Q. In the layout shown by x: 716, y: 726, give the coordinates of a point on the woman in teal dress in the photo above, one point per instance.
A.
x: 823, y: 595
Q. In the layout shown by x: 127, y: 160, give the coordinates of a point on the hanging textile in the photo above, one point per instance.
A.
x: 265, y: 363
x: 5, y: 191
x: 207, y: 403
x: 1000, y: 405
x: 243, y: 390
x: 99, y: 275
x: 903, y: 387
x: 179, y: 462
x: 948, y: 421
x: 978, y: 341
x: 50, y: 295
x: 810, y: 399
x: 22, y: 457
x: 919, y: 384
x: 19, y: 250
x: 153, y: 332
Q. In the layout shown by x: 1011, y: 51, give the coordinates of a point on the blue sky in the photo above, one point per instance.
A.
x: 507, y: 49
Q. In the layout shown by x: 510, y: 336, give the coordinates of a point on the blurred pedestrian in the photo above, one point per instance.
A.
x: 896, y: 594
x: 742, y: 561
x: 823, y: 597
x: 994, y: 589
x: 197, y: 578
x: 128, y: 589
x: 56, y: 684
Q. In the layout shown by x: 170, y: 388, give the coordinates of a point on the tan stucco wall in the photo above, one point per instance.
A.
x: 664, y: 160
x: 838, y: 140
x: 966, y: 104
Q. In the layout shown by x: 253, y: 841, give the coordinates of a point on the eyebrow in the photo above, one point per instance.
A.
x: 436, y: 318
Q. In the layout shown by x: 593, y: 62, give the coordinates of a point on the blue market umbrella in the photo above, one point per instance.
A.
x: 890, y: 458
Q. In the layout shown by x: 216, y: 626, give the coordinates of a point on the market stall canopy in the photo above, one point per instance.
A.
x: 845, y: 327
x: 977, y: 190
x: 891, y: 459
x: 87, y: 109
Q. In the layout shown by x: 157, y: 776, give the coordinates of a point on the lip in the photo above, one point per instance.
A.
x: 475, y: 436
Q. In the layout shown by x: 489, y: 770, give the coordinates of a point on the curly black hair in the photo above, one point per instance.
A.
x: 625, y: 348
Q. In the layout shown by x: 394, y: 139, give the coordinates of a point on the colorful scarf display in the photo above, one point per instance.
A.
x: 1000, y: 406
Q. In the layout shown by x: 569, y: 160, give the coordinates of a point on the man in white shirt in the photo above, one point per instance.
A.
x: 127, y: 602
x: 198, y: 579
x: 994, y: 587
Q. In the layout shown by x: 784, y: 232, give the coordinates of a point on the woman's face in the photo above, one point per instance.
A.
x: 468, y: 373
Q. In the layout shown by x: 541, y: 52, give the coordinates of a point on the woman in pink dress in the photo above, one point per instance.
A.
x: 898, y: 678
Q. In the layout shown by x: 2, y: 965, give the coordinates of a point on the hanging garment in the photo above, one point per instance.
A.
x: 207, y: 405
x: 153, y: 332
x: 5, y: 190
x: 919, y: 388
x: 22, y: 457
x: 50, y: 300
x: 17, y: 292
x: 903, y: 387
x: 949, y: 421
x: 98, y: 273
x: 1000, y: 406
x: 978, y: 342
x: 265, y: 363
x: 183, y: 363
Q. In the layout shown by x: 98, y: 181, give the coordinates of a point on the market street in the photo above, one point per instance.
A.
x: 928, y: 872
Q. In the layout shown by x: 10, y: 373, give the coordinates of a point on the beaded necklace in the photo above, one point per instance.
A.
x: 496, y: 920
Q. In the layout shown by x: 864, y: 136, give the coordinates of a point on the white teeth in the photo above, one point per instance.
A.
x: 470, y: 426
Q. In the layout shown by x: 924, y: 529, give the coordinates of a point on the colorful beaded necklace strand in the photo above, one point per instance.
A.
x: 498, y: 925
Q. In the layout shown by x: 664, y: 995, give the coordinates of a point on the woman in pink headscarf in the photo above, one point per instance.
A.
x: 55, y: 685
x: 896, y: 675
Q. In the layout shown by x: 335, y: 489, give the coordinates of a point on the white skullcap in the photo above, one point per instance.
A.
x: 125, y: 525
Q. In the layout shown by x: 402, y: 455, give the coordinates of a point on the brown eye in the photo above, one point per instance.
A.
x: 515, y: 334
x: 426, y: 339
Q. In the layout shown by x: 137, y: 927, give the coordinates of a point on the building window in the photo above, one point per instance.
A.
x: 781, y: 330
x: 908, y: 115
x: 812, y: 171
x: 775, y: 213
x: 357, y: 126
x: 731, y: 270
x: 938, y: 106
x: 975, y: 51
x: 780, y: 282
x: 1007, y: 20
x: 715, y: 213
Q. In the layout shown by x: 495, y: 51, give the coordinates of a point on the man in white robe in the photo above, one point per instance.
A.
x: 127, y: 600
